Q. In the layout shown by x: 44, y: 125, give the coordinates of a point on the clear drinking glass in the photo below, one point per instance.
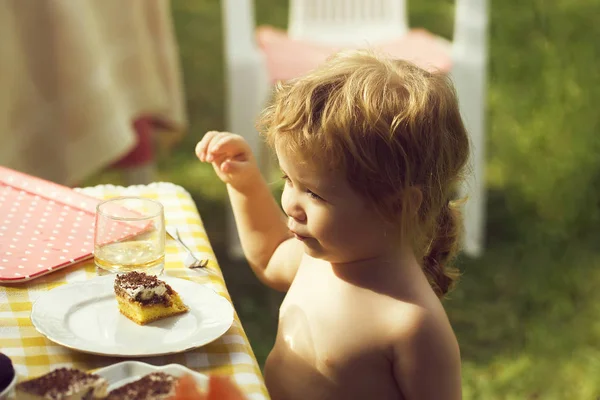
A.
x: 129, y: 236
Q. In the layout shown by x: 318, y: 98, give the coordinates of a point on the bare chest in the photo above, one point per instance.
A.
x: 329, y: 343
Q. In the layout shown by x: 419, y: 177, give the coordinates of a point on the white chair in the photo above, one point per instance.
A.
x: 345, y: 23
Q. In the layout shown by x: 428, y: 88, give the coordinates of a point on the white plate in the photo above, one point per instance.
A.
x: 122, y: 373
x: 84, y: 316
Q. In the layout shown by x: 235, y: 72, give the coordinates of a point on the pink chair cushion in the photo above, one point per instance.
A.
x: 289, y: 58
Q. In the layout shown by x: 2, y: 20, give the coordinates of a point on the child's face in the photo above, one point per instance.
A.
x: 333, y: 221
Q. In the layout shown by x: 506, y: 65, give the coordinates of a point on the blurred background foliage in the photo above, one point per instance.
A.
x: 526, y: 313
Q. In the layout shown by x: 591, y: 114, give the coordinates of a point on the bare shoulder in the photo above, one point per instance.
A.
x: 423, y: 345
x: 414, y: 321
x: 283, y: 265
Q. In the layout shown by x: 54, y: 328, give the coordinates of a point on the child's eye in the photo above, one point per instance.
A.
x: 314, y: 196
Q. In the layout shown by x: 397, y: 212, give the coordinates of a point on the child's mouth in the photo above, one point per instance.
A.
x: 301, y: 238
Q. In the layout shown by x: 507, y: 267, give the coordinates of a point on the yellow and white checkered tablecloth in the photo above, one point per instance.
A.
x: 34, y: 355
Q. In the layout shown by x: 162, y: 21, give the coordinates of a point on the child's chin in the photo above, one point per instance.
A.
x: 314, y: 250
x: 332, y: 257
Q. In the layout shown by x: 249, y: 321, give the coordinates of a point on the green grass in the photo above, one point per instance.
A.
x: 526, y: 313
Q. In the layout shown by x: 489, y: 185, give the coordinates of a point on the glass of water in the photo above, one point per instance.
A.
x: 129, y: 236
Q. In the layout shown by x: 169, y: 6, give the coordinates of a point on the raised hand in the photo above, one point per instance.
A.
x: 230, y: 156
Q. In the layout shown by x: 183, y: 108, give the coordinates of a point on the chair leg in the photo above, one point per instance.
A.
x: 469, y: 80
x: 139, y: 174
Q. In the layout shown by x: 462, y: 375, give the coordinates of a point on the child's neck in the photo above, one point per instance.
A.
x: 396, y: 262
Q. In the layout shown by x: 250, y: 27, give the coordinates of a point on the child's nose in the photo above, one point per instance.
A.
x: 297, y: 214
x: 293, y: 210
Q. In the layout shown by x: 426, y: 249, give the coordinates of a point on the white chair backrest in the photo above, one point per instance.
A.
x: 470, y: 28
x: 347, y: 22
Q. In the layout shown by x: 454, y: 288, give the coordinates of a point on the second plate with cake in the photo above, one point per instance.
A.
x: 85, y: 316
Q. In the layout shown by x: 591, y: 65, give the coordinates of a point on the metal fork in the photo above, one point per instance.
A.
x: 192, y: 261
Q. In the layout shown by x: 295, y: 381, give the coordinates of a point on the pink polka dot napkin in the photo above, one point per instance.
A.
x: 43, y: 226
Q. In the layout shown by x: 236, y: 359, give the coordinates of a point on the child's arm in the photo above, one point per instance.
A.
x: 261, y: 224
x: 427, y: 361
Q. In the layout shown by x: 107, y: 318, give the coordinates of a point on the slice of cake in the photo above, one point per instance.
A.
x: 63, y: 384
x: 154, y: 386
x: 144, y: 298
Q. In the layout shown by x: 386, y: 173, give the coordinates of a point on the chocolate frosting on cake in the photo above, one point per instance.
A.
x: 136, y: 279
x: 156, y: 385
x: 136, y: 286
x: 57, y: 383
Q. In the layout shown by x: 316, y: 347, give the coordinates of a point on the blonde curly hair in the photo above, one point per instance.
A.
x: 392, y: 127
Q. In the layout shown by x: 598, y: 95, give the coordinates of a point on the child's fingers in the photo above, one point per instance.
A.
x: 199, y: 150
x: 202, y: 146
x: 231, y: 167
x: 226, y: 164
x: 207, y: 140
x: 230, y: 145
x: 216, y: 147
x: 210, y: 151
